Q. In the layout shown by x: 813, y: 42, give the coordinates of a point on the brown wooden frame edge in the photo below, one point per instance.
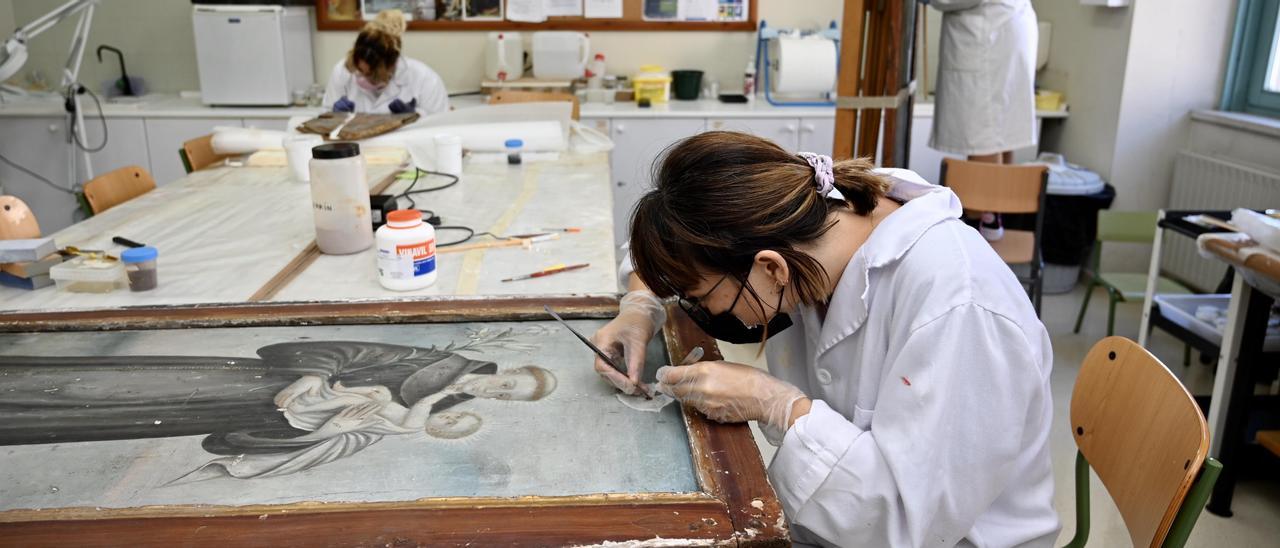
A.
x: 311, y: 313
x: 323, y: 23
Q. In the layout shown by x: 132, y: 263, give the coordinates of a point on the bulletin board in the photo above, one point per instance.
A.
x: 346, y: 15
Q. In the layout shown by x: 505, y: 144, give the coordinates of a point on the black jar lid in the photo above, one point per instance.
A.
x: 335, y: 151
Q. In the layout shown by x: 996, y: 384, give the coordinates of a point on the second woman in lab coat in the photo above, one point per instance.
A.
x: 908, y: 381
x: 375, y: 78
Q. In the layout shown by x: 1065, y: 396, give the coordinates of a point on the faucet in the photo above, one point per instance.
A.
x: 125, y: 86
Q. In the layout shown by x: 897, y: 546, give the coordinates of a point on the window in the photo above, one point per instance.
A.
x: 1253, y: 72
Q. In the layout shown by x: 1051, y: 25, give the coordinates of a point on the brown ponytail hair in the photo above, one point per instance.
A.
x: 378, y: 44
x: 721, y: 197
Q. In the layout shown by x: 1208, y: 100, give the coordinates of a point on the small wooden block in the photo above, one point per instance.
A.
x: 34, y: 282
x: 28, y: 269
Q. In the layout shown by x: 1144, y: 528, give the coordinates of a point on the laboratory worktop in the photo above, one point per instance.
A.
x: 174, y: 106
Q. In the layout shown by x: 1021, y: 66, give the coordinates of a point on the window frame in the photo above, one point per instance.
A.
x: 1251, y: 50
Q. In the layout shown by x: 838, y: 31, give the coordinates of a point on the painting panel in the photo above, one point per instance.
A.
x: 364, y: 413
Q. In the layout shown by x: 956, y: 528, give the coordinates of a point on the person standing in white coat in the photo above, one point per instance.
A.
x: 375, y: 78
x: 985, y: 103
x: 908, y: 383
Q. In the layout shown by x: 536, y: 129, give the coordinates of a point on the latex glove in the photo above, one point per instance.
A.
x: 640, y: 315
x: 732, y: 392
x: 344, y: 105
x: 401, y: 107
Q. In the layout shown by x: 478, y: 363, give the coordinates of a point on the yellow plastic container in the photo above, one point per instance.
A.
x: 652, y: 83
x: 1048, y: 100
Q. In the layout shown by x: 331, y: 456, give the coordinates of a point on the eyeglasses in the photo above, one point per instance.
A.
x: 693, y: 305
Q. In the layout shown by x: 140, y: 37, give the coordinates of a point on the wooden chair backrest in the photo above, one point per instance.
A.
x: 520, y: 96
x: 1141, y: 432
x: 17, y: 221
x: 996, y: 188
x: 111, y: 189
x: 200, y: 154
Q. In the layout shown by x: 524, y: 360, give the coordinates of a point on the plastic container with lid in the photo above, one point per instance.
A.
x: 513, y: 147
x: 406, y: 251
x: 88, y: 274
x: 652, y: 83
x: 340, y: 199
x: 140, y: 266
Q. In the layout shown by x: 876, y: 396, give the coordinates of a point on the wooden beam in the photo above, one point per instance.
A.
x: 851, y: 36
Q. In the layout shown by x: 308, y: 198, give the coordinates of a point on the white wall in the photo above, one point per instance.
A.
x: 1087, y: 62
x: 1176, y: 64
x: 156, y: 37
x: 7, y: 24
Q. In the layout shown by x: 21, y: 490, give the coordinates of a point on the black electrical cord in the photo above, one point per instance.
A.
x: 453, y: 180
x: 101, y: 115
x: 35, y: 175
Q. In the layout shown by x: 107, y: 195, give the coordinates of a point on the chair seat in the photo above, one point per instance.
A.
x: 1016, y: 247
x: 1133, y: 285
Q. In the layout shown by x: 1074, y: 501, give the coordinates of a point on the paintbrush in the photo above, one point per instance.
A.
x: 607, y: 358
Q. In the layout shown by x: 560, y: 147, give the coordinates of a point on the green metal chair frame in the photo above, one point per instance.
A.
x: 1116, y: 226
x: 1188, y: 513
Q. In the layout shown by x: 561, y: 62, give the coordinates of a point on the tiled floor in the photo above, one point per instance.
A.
x: 1257, y: 503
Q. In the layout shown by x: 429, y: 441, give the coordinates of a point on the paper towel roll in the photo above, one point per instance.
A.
x: 802, y: 65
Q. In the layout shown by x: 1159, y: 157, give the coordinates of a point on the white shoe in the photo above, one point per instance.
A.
x: 990, y: 227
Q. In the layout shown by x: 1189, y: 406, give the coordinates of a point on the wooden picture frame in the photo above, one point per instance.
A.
x: 734, y: 504
x: 632, y: 20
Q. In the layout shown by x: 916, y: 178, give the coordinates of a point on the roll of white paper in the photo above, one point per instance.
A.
x: 802, y: 65
x: 239, y: 140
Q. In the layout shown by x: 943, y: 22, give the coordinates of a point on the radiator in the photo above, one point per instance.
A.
x: 1203, y: 182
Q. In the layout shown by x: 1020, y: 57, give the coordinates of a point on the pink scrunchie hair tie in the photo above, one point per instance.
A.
x: 823, y: 176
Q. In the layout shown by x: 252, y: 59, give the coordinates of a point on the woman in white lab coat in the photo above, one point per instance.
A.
x: 986, y: 79
x: 908, y: 381
x: 375, y: 78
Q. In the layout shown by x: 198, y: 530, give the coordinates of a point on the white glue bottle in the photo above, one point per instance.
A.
x: 406, y: 251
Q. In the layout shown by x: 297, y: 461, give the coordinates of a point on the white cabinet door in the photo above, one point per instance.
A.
x: 817, y: 135
x: 166, y: 135
x: 126, y: 145
x: 39, y: 145
x: 636, y: 144
x: 784, y: 131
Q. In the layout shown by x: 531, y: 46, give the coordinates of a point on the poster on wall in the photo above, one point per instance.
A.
x: 369, y: 8
x: 482, y: 10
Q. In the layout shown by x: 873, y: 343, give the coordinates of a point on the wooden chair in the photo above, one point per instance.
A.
x: 1006, y: 189
x: 519, y: 96
x: 111, y: 189
x: 198, y: 154
x: 1144, y: 435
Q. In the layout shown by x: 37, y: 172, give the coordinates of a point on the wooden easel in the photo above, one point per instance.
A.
x: 876, y: 80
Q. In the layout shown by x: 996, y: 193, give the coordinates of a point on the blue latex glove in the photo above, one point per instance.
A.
x: 400, y: 107
x: 344, y: 105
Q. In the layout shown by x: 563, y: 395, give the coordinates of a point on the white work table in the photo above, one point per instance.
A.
x: 224, y: 233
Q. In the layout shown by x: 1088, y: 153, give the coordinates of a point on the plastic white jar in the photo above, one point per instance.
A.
x: 340, y: 198
x: 406, y: 251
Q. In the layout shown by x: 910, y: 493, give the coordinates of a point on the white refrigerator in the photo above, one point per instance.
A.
x: 251, y: 54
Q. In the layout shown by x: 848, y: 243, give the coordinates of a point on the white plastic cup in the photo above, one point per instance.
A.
x: 297, y: 148
x: 449, y: 154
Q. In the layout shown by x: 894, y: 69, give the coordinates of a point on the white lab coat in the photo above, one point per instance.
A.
x: 412, y: 80
x: 985, y: 100
x: 930, y: 386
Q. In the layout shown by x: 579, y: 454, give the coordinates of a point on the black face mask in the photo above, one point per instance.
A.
x: 728, y: 328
